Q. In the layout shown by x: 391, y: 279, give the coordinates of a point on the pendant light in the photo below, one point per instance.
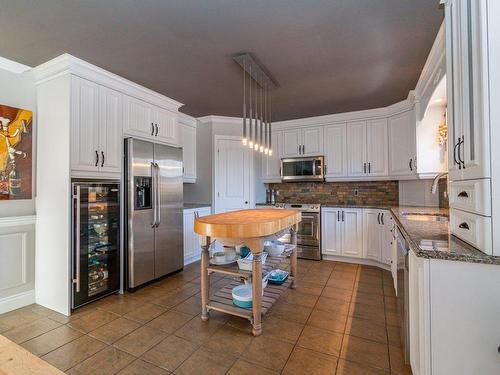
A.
x: 250, y: 141
x: 256, y: 123
x: 270, y: 129
x: 244, y: 139
x: 266, y: 134
x: 261, y: 148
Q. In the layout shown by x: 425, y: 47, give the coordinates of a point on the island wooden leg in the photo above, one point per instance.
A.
x: 205, y: 282
x: 293, y: 257
x: 257, y: 293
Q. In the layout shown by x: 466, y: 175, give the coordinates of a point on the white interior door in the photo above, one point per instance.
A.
x: 232, y: 172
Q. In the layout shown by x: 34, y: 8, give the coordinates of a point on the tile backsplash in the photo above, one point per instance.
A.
x: 360, y: 193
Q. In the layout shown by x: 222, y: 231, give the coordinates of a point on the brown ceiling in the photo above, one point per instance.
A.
x: 328, y: 56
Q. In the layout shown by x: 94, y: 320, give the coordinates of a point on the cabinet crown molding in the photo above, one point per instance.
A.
x: 13, y: 66
x: 68, y: 64
x: 187, y: 120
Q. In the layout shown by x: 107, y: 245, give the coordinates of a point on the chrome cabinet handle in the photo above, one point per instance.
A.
x: 303, y: 149
x: 382, y: 218
x: 364, y: 168
x: 378, y: 217
x: 152, y: 129
x: 410, y: 164
x: 338, y: 215
x: 76, y: 279
x: 464, y: 225
x: 156, y: 127
x: 463, y: 194
x: 96, y: 158
x: 102, y: 162
x: 369, y: 167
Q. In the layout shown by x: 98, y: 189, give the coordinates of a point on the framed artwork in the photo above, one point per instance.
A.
x: 16, y: 131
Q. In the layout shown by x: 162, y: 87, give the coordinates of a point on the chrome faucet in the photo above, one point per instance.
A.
x: 436, y: 180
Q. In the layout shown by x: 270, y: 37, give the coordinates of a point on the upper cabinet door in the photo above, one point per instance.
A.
x: 110, y: 130
x: 189, y: 153
x: 85, y: 151
x: 312, y: 141
x: 335, y: 151
x: 376, y: 147
x: 402, y: 146
x: 291, y: 143
x: 356, y: 149
x: 166, y: 126
x: 373, y: 232
x: 138, y: 117
x: 352, y: 232
x: 331, y: 232
x: 271, y: 165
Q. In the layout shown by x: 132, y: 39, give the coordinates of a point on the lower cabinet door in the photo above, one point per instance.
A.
x: 188, y: 235
x: 331, y: 223
x: 373, y: 232
x: 352, y: 232
x: 388, y: 239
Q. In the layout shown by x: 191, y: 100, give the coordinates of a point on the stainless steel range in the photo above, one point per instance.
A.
x: 309, y: 231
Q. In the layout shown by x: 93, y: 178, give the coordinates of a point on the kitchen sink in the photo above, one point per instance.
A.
x: 417, y: 216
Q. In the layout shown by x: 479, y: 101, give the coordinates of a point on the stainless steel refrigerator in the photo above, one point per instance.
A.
x: 154, y: 198
x: 96, y: 240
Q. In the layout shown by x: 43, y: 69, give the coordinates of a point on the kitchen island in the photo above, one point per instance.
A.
x: 252, y: 228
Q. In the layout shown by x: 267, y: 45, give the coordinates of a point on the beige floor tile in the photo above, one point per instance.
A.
x: 369, y: 288
x: 281, y: 329
x: 367, y: 329
x: 336, y: 293
x: 140, y: 367
x: 17, y: 318
x: 74, y: 352
x: 191, y: 306
x: 321, y: 340
x: 242, y: 367
x: 31, y: 330
x: 346, y: 284
x: 376, y: 314
x: 326, y: 320
x: 269, y: 353
x: 170, y: 353
x: 370, y: 279
x: 394, y: 335
x: 170, y: 321
x: 115, y: 330
x: 122, y: 306
x: 294, y: 313
x: 392, y: 318
x: 308, y: 362
x: 198, y: 331
x: 397, y: 361
x: 51, y: 340
x: 145, y: 313
x: 375, y: 300
x: 93, y: 320
x: 229, y: 340
x: 306, y: 287
x: 333, y: 306
x: 352, y: 368
x: 391, y: 303
x: 365, y: 351
x: 107, y: 361
x: 300, y: 299
x: 204, y: 362
x: 140, y: 340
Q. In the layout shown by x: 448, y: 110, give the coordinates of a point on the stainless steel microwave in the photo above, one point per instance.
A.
x: 302, y: 169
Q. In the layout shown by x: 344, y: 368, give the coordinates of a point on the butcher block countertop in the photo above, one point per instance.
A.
x: 246, y: 223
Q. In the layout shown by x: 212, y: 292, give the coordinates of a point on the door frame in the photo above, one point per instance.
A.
x: 251, y: 177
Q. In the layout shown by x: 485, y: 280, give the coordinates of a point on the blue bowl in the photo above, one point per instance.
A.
x: 244, y: 251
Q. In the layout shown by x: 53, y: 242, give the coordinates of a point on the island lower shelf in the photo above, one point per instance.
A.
x: 223, y: 300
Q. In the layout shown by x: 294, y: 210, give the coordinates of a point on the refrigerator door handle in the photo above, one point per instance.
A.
x: 76, y: 199
x: 155, y: 188
x: 158, y: 196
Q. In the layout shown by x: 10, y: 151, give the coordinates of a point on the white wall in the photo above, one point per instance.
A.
x: 417, y: 193
x: 17, y: 220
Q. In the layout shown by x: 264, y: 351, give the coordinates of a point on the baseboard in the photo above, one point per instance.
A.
x: 191, y: 259
x: 366, y: 262
x: 17, y: 301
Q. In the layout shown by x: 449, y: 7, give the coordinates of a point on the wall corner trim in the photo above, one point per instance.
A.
x: 13, y: 66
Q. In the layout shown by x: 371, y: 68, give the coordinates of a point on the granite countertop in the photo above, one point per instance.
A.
x: 188, y: 206
x: 432, y: 240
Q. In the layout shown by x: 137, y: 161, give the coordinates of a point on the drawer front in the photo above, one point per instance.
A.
x: 472, y: 196
x: 473, y: 229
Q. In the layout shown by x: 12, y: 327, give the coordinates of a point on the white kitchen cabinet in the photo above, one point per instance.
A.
x: 149, y: 122
x: 377, y: 147
x: 189, y: 153
x: 388, y: 253
x: 335, y: 151
x: 402, y: 144
x: 468, y: 83
x: 307, y: 141
x: 356, y: 149
x: 342, y: 231
x: 331, y: 233
x: 271, y: 165
x: 96, y: 130
x: 373, y: 234
x: 192, y: 249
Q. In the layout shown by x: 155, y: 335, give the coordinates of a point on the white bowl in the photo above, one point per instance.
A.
x: 276, y: 250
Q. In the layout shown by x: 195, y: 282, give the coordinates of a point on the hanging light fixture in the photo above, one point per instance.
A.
x: 256, y: 120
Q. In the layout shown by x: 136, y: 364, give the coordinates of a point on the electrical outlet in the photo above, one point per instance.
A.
x: 356, y: 192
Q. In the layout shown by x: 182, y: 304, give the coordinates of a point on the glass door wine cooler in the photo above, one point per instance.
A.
x: 96, y: 237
